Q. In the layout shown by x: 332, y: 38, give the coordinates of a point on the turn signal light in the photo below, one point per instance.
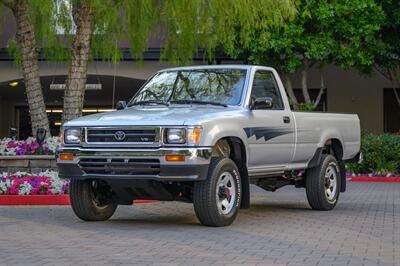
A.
x: 194, y: 136
x: 66, y: 157
x: 175, y: 158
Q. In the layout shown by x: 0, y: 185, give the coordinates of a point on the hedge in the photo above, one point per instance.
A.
x: 381, y: 155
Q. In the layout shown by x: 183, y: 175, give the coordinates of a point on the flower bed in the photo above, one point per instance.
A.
x: 22, y: 183
x: 45, y: 188
x: 30, y: 146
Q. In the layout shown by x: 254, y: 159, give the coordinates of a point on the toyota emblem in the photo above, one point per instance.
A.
x: 119, y: 135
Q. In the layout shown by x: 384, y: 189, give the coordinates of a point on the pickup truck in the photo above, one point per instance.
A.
x: 202, y: 135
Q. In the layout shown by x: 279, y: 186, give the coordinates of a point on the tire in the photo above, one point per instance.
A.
x: 217, y: 199
x: 323, y: 184
x: 91, y: 200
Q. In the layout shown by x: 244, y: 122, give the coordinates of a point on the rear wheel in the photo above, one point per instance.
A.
x: 92, y: 200
x: 217, y: 199
x: 323, y: 184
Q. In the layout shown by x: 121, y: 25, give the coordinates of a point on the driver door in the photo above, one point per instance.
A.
x: 271, y: 132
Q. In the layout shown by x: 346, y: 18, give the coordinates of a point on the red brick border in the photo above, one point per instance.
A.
x: 9, y: 200
x: 40, y: 200
x: 374, y: 179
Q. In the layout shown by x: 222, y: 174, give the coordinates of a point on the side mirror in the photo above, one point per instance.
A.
x: 262, y: 103
x: 121, y: 105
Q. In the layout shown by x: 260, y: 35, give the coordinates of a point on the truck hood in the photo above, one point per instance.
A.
x: 155, y: 115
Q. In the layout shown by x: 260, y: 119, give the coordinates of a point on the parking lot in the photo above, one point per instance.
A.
x: 279, y: 229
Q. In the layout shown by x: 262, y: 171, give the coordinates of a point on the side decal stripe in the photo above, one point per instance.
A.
x: 266, y: 132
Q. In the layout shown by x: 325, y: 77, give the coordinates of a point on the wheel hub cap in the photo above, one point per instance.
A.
x: 226, y: 193
x: 330, y: 182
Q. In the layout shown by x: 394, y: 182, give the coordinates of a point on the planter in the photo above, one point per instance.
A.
x: 27, y: 163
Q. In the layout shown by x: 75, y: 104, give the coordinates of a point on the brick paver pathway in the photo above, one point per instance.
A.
x: 279, y: 229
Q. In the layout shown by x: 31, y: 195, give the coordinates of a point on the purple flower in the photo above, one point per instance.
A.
x: 21, y: 151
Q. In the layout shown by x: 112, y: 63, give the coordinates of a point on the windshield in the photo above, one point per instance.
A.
x: 210, y: 86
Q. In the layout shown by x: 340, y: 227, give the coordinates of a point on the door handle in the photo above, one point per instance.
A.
x: 286, y: 119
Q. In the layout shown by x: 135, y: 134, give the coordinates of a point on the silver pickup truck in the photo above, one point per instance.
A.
x: 202, y: 135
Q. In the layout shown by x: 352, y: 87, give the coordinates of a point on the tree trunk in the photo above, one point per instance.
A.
x: 77, y: 73
x: 396, y: 94
x: 396, y: 78
x: 395, y: 84
x: 321, y: 91
x: 30, y: 68
x: 290, y: 92
x: 393, y: 75
x: 304, y: 86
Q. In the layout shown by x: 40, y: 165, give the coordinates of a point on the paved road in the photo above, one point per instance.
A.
x: 279, y: 229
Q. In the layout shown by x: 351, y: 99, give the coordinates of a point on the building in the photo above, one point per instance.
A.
x: 347, y: 91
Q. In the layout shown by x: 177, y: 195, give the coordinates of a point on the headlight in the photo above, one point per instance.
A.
x: 175, y: 135
x: 72, y: 136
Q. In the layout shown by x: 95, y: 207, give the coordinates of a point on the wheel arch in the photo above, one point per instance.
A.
x: 335, y: 147
x: 238, y: 154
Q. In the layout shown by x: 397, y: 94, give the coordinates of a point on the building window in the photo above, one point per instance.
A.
x: 391, y: 111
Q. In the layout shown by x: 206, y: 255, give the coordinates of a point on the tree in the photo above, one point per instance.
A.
x: 188, y: 26
x: 387, y: 61
x: 323, y: 32
x: 83, y: 16
x: 25, y: 48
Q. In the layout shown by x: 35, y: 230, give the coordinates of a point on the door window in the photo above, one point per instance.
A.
x: 264, y: 85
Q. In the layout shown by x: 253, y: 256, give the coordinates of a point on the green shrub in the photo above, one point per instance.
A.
x: 381, y: 155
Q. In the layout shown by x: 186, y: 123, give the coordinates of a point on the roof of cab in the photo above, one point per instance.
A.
x: 245, y: 67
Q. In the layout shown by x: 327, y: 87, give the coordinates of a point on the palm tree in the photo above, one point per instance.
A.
x: 26, y: 42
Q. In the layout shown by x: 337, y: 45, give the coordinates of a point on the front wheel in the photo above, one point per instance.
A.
x: 92, y: 200
x: 217, y: 199
x: 323, y: 184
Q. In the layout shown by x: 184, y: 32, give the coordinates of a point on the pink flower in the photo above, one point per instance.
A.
x: 12, y: 144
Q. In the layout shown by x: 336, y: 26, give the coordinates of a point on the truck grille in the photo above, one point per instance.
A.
x: 120, y: 166
x: 112, y: 135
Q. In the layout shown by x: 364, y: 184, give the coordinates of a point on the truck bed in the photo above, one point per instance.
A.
x: 314, y: 128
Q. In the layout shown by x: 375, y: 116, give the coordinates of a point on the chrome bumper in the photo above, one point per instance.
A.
x: 194, y: 167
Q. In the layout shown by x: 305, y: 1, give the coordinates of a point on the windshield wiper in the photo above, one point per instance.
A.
x: 149, y: 103
x: 198, y: 102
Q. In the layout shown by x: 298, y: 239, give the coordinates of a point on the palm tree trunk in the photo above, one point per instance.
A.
x: 30, y: 68
x: 77, y: 73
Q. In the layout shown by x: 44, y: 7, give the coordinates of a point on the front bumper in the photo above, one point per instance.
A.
x: 194, y: 167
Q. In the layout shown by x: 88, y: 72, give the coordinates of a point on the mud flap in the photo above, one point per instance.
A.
x: 342, y: 169
x: 245, y: 204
